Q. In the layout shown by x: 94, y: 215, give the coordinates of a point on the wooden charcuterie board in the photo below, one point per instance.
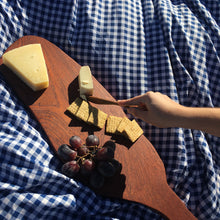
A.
x: 142, y: 178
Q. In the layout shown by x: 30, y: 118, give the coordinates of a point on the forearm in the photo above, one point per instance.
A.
x: 204, y: 119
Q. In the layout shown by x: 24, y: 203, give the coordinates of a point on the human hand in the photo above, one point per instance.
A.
x: 155, y: 108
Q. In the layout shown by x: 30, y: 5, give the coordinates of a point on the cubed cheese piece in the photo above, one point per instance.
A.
x: 28, y: 63
x: 85, y: 81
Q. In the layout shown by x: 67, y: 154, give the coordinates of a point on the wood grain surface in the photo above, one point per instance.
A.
x: 142, y: 179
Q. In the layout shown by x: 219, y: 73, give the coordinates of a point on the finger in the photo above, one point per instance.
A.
x: 132, y: 101
x: 138, y: 113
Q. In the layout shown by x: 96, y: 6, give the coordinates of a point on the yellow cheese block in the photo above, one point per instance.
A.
x: 28, y: 63
x: 85, y: 81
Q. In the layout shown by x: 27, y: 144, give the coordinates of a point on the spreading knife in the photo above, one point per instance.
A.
x: 102, y: 101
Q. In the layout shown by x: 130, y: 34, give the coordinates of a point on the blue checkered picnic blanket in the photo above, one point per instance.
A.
x: 134, y: 46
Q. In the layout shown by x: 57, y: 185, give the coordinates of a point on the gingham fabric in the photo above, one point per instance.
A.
x: 132, y: 47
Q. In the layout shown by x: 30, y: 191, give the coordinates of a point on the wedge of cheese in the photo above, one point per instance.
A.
x: 28, y: 63
x: 85, y: 82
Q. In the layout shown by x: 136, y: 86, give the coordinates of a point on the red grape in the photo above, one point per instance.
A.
x: 83, y: 150
x: 86, y: 167
x: 92, y: 140
x: 71, y: 168
x: 88, y: 164
x: 75, y: 142
x: 105, y: 153
x: 110, y: 144
x: 65, y: 153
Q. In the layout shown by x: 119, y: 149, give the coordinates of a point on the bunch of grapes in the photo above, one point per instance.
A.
x: 89, y: 162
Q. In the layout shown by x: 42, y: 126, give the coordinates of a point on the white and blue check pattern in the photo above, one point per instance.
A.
x: 170, y: 46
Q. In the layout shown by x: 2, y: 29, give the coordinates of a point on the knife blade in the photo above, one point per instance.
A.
x: 102, y: 101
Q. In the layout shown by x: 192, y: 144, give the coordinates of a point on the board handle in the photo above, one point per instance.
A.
x: 172, y: 207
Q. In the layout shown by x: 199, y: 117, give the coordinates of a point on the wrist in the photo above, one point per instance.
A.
x: 182, y: 117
